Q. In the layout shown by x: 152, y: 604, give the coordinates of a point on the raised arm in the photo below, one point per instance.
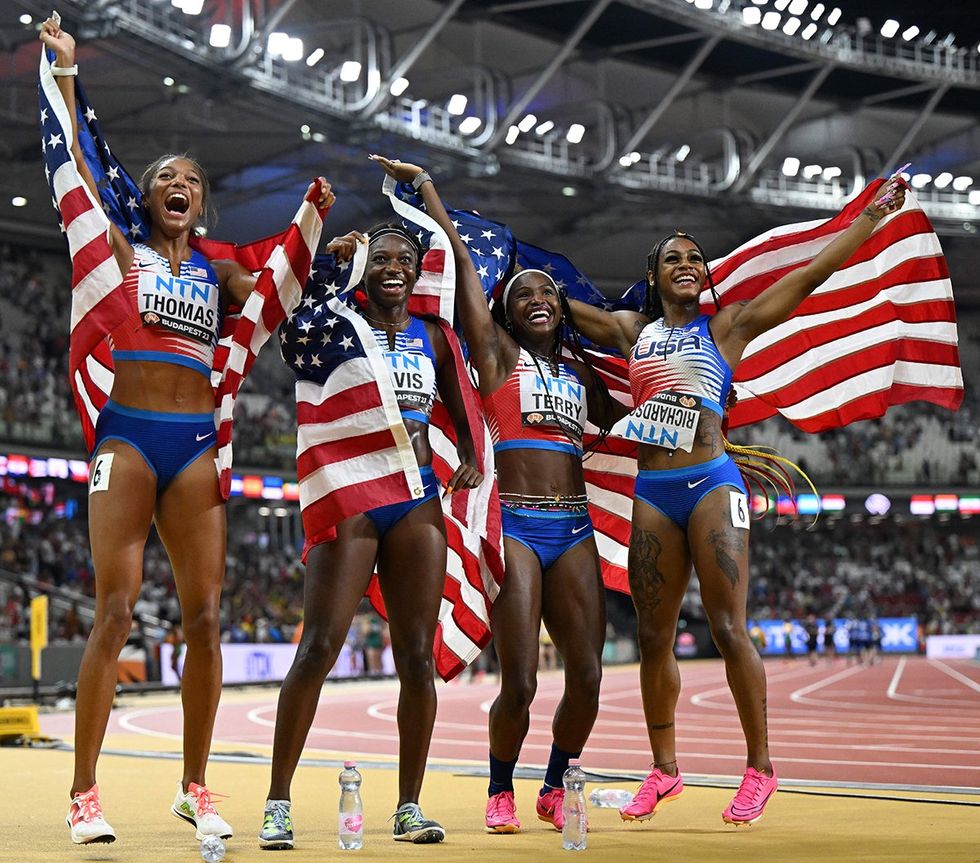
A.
x: 63, y: 45
x: 492, y: 351
x: 618, y: 330
x: 734, y: 327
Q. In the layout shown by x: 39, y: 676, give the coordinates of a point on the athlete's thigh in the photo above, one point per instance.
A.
x: 574, y: 602
x: 191, y: 521
x: 412, y: 570
x: 719, y: 536
x: 515, y: 617
x: 659, y: 565
x: 122, y: 494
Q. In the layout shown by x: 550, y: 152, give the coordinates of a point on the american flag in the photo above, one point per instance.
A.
x: 881, y: 331
x: 354, y: 454
x: 97, y: 307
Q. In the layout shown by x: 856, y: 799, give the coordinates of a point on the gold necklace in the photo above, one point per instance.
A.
x: 405, y: 320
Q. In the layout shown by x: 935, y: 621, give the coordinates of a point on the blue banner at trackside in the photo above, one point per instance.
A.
x: 891, y: 634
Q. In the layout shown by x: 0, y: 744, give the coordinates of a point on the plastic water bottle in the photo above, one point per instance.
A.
x: 573, y: 808
x: 212, y: 849
x: 610, y: 798
x: 351, y: 821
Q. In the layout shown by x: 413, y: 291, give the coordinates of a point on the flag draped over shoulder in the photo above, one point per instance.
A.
x: 282, y: 263
x: 354, y: 454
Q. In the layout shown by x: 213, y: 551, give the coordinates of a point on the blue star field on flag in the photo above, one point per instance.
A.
x: 120, y: 196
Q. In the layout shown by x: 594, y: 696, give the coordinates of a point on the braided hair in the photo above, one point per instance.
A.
x: 569, y: 336
x: 653, y: 304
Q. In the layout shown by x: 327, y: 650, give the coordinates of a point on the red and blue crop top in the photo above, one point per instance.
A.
x: 536, y: 409
x: 175, y: 319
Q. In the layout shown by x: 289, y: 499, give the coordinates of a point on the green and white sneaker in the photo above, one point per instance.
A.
x: 195, y: 807
x: 412, y: 826
x: 277, y: 826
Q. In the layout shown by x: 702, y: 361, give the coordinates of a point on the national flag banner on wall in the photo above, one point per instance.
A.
x: 282, y: 263
x: 354, y: 454
x: 881, y: 331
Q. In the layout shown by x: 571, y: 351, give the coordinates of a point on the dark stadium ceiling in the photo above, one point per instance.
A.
x: 690, y: 116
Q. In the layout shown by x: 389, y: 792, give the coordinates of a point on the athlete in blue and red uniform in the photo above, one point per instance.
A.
x: 154, y: 463
x: 537, y: 405
x: 690, y: 505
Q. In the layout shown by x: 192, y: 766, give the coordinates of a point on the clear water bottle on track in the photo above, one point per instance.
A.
x: 212, y: 849
x: 610, y: 798
x: 573, y: 808
x: 351, y: 819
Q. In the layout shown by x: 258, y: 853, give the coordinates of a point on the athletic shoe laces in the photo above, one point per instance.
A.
x: 204, y: 803
x: 409, y: 817
x: 89, y: 807
x: 649, y: 792
x: 277, y: 816
x: 501, y: 806
x: 750, y: 789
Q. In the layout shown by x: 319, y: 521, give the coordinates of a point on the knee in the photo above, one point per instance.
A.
x: 517, y: 691
x: 202, y: 628
x: 114, y: 623
x: 318, y: 650
x: 728, y: 636
x: 654, y: 641
x: 415, y: 666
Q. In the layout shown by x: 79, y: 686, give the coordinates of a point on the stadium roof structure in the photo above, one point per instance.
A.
x: 590, y: 126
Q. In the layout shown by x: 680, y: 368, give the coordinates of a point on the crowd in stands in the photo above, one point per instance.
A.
x: 911, y: 444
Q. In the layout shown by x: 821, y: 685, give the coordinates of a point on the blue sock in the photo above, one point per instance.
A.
x: 557, y: 765
x: 501, y: 775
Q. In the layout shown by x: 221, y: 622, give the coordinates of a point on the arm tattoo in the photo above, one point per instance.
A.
x: 646, y: 579
x: 727, y: 547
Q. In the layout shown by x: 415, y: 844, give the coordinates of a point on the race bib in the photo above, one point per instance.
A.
x: 554, y: 401
x: 413, y: 377
x: 668, y: 419
x: 187, y: 304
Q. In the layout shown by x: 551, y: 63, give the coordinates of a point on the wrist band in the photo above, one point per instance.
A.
x: 64, y: 71
x: 420, y: 180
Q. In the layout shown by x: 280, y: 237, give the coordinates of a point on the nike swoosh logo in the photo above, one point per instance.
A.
x: 696, y: 484
x: 579, y: 529
x: 201, y: 437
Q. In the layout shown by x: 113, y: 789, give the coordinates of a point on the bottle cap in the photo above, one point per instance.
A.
x: 574, y: 762
x: 349, y: 764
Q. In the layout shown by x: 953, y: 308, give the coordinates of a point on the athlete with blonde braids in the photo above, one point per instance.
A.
x: 690, y: 504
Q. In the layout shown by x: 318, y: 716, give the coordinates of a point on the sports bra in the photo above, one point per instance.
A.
x: 175, y: 319
x: 536, y: 409
x: 412, y: 368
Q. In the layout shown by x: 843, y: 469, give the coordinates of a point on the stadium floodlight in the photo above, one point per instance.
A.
x: 192, y: 7
x: 528, y: 123
x: 760, y: 2
x: 770, y: 21
x: 910, y: 33
x: 625, y: 161
x: 276, y: 43
x: 569, y: 191
x: 544, y: 128
x: 220, y: 36
x: 575, y: 133
x: 703, y: 4
x: 18, y: 201
x: 682, y: 152
x: 834, y: 16
x: 974, y: 198
x: 791, y: 26
x: 350, y: 71
x: 791, y: 166
x: 635, y: 157
x: 398, y: 86
x: 293, y: 50
x: 817, y: 11
x: 470, y: 125
x: 512, y: 134
x: 797, y: 7
x: 781, y: 5
x: 811, y: 171
x: 943, y: 180
x: 25, y: 19
x: 920, y: 181
x: 961, y: 184
x: 751, y: 15
x: 456, y: 104
x: 889, y: 28
x: 168, y: 81
x: 315, y: 57
x: 809, y: 31
x: 831, y: 172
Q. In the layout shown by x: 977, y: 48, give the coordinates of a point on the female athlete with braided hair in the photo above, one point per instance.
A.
x: 536, y: 404
x: 690, y: 505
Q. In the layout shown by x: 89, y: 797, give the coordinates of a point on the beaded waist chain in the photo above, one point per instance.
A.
x: 575, y: 503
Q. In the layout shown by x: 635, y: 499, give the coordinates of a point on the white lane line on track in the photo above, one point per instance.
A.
x: 956, y: 675
x: 799, y: 695
x: 703, y: 699
x: 897, y: 676
x: 126, y: 721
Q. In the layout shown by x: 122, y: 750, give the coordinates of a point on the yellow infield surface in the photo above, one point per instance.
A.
x: 137, y: 790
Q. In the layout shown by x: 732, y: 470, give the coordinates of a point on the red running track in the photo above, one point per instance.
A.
x: 907, y: 721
